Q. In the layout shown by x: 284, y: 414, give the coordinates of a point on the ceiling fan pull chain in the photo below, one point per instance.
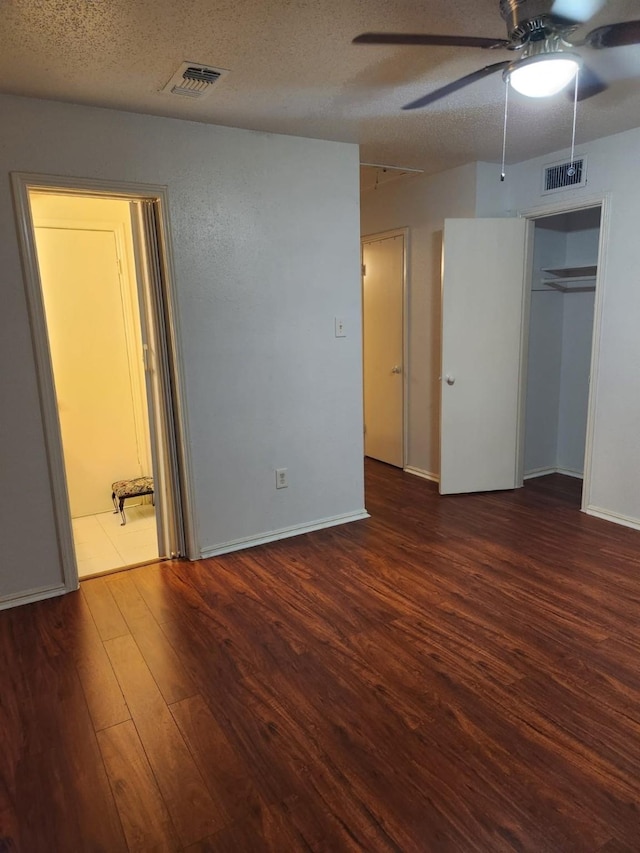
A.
x: 572, y: 169
x: 504, y: 129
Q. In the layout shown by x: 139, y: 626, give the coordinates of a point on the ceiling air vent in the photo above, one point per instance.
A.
x: 193, y: 80
x: 559, y: 176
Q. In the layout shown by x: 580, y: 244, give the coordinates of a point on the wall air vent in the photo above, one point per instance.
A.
x: 193, y: 80
x: 559, y: 176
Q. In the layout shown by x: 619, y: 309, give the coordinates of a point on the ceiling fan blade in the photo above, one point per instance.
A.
x: 589, y: 84
x: 575, y: 11
x: 450, y: 88
x: 614, y: 35
x: 424, y: 39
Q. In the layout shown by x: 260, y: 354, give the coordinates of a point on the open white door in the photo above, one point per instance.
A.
x: 94, y: 376
x: 383, y: 347
x: 483, y: 300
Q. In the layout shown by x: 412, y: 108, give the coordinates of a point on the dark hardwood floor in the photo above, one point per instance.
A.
x: 453, y: 674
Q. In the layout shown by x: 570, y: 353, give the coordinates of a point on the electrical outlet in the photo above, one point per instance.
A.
x: 281, y: 478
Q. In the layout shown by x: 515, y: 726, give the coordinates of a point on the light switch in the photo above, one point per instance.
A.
x: 340, y: 329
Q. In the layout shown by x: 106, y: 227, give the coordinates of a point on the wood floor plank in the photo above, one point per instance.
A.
x: 455, y: 674
x: 188, y: 801
x: 262, y: 830
x: 211, y: 665
x: 144, y: 815
x: 68, y: 629
x: 227, y: 777
x: 108, y: 619
x: 361, y: 752
x: 87, y: 784
x: 62, y: 794
x: 170, y: 675
x: 13, y: 736
x: 616, y: 846
x: 284, y: 762
x: 102, y: 691
x: 46, y: 810
x: 9, y: 826
x: 150, y: 583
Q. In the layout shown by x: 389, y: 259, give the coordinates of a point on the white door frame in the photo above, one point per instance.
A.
x: 22, y: 184
x: 603, y: 201
x: 375, y: 238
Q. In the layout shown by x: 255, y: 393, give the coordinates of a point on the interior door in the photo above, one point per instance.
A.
x: 485, y: 278
x: 155, y: 321
x: 79, y: 270
x: 383, y: 299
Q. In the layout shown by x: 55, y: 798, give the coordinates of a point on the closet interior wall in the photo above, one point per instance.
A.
x: 560, y: 342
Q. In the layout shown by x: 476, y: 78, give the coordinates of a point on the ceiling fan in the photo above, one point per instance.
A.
x: 542, y: 30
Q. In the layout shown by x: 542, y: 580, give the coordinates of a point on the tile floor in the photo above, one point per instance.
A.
x: 102, y: 544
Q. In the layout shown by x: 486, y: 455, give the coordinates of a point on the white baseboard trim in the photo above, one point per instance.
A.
x: 20, y: 598
x: 539, y: 472
x: 542, y: 472
x: 624, y: 520
x: 569, y: 472
x: 418, y: 472
x: 283, y: 533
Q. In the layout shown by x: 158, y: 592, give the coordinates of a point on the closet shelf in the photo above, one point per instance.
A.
x: 569, y: 279
x: 572, y: 272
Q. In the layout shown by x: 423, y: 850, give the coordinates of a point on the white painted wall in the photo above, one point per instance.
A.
x: 615, y: 475
x: 422, y: 204
x: 543, y: 382
x: 266, y: 248
x: 577, y: 330
x: 549, y: 251
x: 560, y: 334
x: 582, y: 247
x: 492, y: 194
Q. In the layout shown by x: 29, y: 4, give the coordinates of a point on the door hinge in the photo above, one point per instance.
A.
x: 364, y: 269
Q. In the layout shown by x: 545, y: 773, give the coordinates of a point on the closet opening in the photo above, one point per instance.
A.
x: 560, y: 339
x: 98, y: 288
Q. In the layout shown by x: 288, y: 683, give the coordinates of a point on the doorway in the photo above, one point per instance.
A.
x: 384, y: 346
x: 86, y: 261
x: 97, y: 265
x: 487, y: 271
x: 561, y: 320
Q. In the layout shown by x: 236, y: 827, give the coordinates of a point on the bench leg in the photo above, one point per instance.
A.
x: 121, y: 508
x: 115, y: 505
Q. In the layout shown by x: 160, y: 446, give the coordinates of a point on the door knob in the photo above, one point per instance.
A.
x: 450, y: 379
x: 396, y: 369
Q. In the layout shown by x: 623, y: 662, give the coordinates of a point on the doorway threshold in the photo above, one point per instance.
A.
x: 103, y: 544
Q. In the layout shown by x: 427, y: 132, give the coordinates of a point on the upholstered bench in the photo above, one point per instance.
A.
x: 123, y: 489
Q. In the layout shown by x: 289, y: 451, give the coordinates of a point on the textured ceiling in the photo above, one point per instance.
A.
x: 294, y: 70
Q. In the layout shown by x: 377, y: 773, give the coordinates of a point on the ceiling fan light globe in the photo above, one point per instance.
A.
x: 543, y: 76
